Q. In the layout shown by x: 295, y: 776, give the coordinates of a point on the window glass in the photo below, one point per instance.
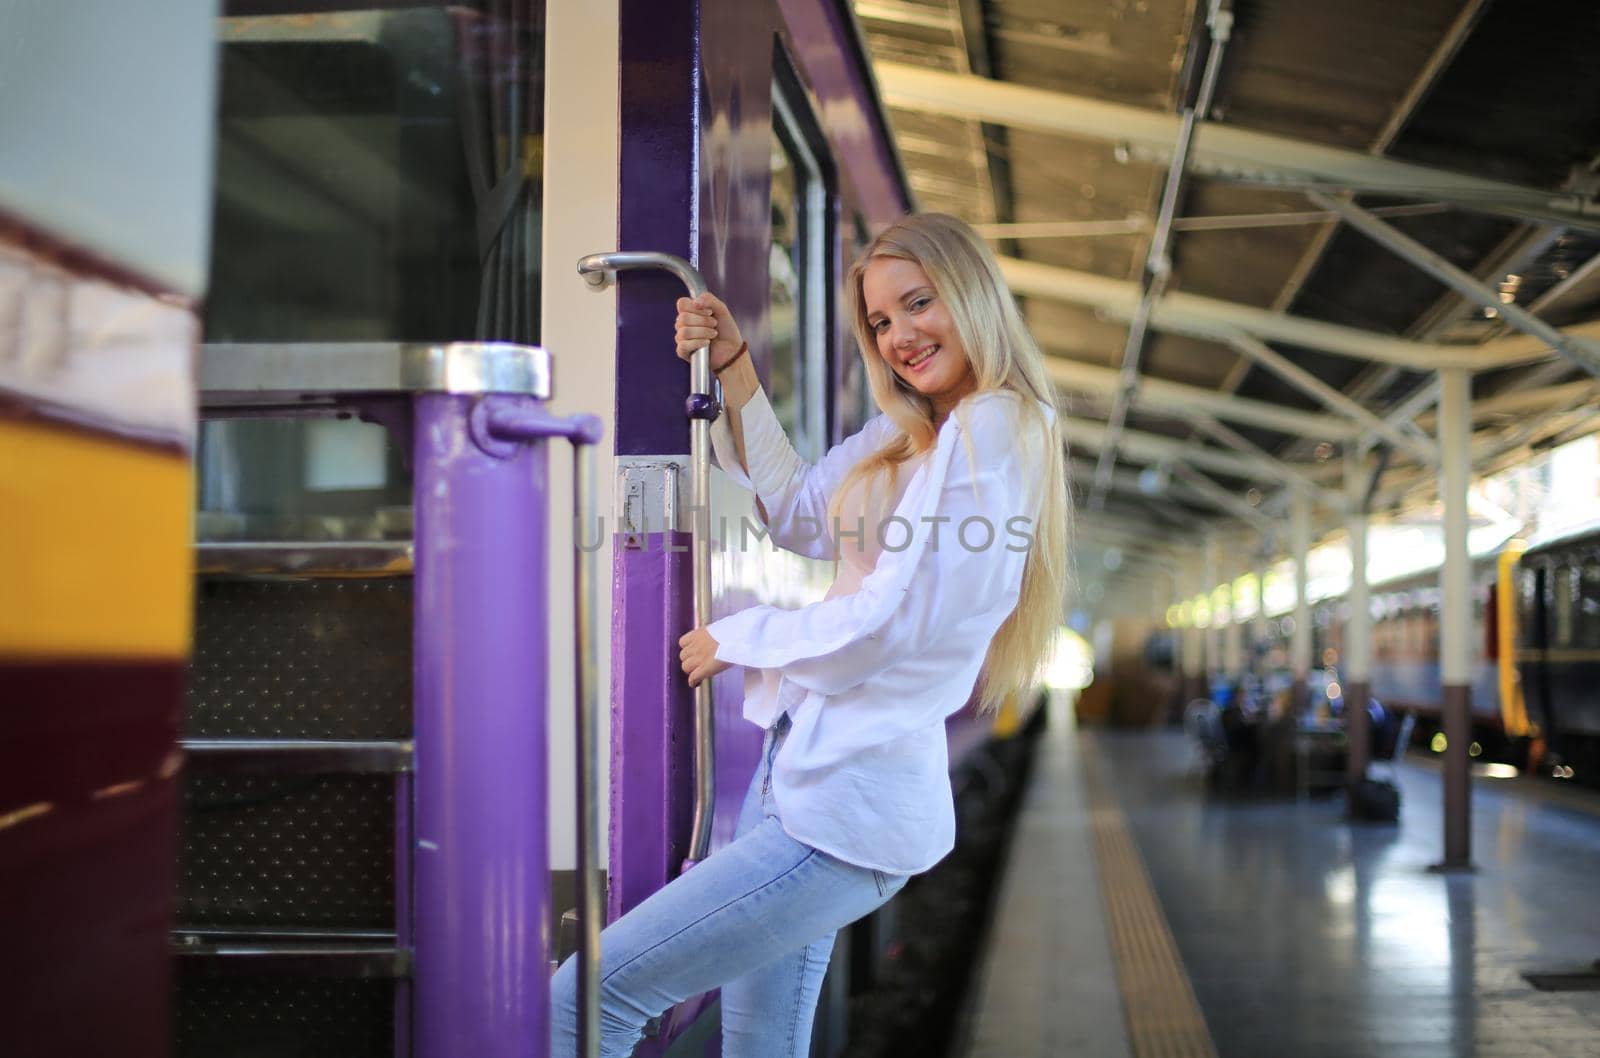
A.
x: 855, y: 401
x: 377, y: 180
x: 797, y: 383
x: 785, y: 298
x: 1563, y: 590
x: 1589, y: 604
x: 1529, y: 633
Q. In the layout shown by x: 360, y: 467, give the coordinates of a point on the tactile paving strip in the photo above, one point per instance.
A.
x: 283, y: 1017
x: 301, y: 658
x: 287, y: 851
x: 1163, y: 1017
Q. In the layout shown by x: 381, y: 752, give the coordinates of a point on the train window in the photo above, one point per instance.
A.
x: 1589, y: 604
x: 1489, y: 621
x: 798, y: 278
x: 1563, y: 590
x: 378, y: 174
x: 1531, y: 626
x: 855, y: 399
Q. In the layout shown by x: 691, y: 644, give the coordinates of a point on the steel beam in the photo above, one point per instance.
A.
x: 1151, y: 448
x: 904, y: 14
x: 1157, y: 270
x: 1461, y: 281
x: 1138, y: 223
x: 1304, y: 380
x: 1220, y: 150
x: 1583, y: 391
x: 1216, y: 320
x: 1220, y: 497
x: 1421, y: 85
x: 1192, y: 489
x: 1406, y: 412
x: 1524, y: 348
x: 1189, y: 402
x: 973, y: 29
x: 1268, y: 462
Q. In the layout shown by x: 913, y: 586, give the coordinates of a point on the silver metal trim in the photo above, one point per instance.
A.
x: 307, y: 958
x: 235, y: 934
x: 303, y: 559
x: 250, y: 373
x: 299, y: 756
x: 585, y: 579
x: 648, y: 496
x: 599, y: 270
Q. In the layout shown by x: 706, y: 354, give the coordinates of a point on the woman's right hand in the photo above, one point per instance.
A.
x: 706, y: 319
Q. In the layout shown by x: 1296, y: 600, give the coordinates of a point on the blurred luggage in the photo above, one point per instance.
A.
x: 1375, y: 800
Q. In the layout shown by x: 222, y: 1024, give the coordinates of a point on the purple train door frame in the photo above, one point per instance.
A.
x: 696, y: 131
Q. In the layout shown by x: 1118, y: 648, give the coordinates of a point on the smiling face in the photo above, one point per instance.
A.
x: 914, y: 331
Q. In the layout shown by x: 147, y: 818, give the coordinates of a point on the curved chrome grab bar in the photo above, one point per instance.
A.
x: 599, y: 271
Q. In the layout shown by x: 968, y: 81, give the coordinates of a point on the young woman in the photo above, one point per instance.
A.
x: 948, y: 516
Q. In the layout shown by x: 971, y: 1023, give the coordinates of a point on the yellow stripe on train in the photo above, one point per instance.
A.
x: 96, y: 546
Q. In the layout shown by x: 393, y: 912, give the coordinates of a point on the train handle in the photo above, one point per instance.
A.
x: 599, y: 271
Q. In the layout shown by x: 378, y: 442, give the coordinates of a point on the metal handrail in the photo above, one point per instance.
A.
x: 599, y: 271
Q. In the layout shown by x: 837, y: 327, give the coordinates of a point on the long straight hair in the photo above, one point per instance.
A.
x: 1004, y: 358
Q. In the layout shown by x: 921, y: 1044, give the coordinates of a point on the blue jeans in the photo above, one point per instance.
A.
x: 756, y: 918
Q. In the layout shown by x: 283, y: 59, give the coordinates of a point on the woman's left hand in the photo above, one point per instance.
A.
x: 697, y: 652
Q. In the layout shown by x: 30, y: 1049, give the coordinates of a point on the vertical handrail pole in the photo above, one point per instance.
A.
x: 598, y: 270
x: 584, y: 579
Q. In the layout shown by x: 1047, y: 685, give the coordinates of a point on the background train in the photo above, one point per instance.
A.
x: 356, y: 224
x: 1536, y: 634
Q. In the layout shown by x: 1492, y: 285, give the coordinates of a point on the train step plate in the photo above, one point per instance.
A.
x: 262, y: 756
x: 212, y: 953
x: 335, y: 558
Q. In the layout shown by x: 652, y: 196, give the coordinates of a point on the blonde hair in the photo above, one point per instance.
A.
x: 1005, y: 358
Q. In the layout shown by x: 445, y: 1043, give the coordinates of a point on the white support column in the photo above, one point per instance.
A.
x: 1233, y: 632
x: 1213, y: 663
x: 1455, y: 608
x: 1258, y: 633
x: 1300, y: 642
x: 1357, y: 660
x: 1193, y: 662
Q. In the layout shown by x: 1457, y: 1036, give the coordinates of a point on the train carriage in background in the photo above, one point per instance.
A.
x: 1557, y: 658
x: 377, y: 819
x: 104, y: 192
x: 1536, y: 655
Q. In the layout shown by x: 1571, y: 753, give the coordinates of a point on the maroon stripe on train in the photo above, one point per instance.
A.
x: 82, y: 263
x: 88, y: 854
x: 20, y: 408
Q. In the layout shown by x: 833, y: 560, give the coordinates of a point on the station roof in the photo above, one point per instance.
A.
x: 1282, y: 335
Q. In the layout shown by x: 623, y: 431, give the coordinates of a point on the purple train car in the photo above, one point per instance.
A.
x: 433, y: 702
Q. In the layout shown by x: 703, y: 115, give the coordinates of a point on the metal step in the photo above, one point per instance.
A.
x: 259, y: 756
x: 353, y: 558
x: 296, y: 953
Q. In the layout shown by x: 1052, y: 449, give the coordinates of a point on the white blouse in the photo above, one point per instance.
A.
x: 869, y: 676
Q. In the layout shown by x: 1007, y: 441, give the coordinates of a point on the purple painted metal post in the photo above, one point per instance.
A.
x: 481, y: 895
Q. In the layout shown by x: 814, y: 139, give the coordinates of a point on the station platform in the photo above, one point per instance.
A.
x: 1141, y: 916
